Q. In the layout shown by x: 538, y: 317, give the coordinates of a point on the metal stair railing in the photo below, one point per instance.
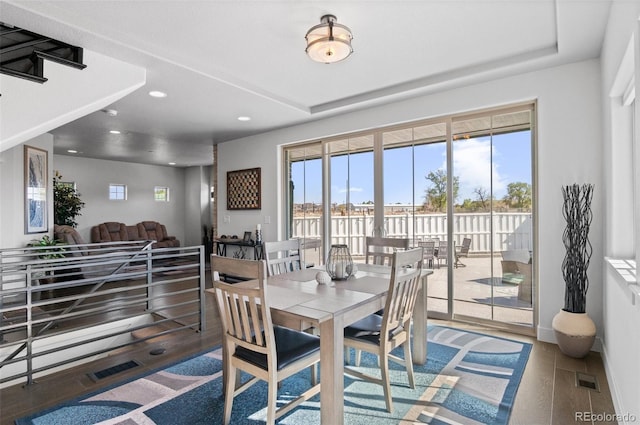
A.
x: 94, y: 285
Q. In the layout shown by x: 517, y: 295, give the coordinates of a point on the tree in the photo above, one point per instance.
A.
x: 482, y: 196
x: 518, y: 195
x: 66, y: 202
x: 436, y: 193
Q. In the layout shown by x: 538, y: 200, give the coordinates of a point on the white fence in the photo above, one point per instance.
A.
x: 510, y: 230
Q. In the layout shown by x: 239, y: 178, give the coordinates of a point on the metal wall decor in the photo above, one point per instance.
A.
x: 243, y: 189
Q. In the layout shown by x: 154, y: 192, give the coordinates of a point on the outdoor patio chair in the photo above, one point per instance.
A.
x: 429, y: 251
x: 462, y: 252
x: 443, y: 253
x: 380, y: 335
x: 252, y: 344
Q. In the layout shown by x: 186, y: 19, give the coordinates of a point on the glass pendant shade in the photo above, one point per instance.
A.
x: 329, y: 41
x: 339, y: 263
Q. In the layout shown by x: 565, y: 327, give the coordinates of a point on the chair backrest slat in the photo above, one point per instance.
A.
x: 403, y: 289
x: 245, y: 316
x: 282, y: 256
x: 380, y: 250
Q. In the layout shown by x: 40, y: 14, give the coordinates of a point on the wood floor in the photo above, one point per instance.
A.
x: 547, y: 394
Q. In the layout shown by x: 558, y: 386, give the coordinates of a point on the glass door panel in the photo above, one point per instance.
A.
x: 414, y: 164
x: 492, y: 164
x: 305, y: 201
x: 352, y: 192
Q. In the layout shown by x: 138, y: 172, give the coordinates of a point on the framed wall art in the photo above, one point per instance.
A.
x: 36, y: 179
x: 243, y: 189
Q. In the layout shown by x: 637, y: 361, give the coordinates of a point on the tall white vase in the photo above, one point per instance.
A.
x: 575, y: 333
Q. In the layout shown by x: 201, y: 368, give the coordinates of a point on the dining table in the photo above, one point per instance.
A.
x: 297, y: 300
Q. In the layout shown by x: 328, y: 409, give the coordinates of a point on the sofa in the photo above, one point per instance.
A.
x: 112, y: 231
x: 152, y: 230
x: 146, y: 230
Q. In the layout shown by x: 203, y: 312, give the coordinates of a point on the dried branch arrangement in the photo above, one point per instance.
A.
x: 578, y: 215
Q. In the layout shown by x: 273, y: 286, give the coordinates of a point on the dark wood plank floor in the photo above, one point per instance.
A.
x: 547, y: 393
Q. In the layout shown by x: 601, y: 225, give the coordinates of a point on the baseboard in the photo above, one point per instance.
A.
x: 613, y: 389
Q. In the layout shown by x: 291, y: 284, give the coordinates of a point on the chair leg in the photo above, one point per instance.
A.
x: 272, y: 397
x: 408, y: 363
x: 358, y: 357
x: 230, y: 378
x: 386, y: 385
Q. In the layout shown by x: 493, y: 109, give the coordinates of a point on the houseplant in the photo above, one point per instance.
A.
x: 50, y: 251
x: 66, y: 202
x: 575, y: 331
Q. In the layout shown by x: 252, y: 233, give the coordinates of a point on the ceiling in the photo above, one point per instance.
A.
x: 221, y: 59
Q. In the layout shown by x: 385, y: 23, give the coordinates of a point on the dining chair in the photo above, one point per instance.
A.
x: 282, y: 256
x: 429, y: 250
x: 381, y: 334
x: 443, y: 253
x: 234, y: 270
x: 380, y: 250
x: 463, y: 251
x: 252, y: 344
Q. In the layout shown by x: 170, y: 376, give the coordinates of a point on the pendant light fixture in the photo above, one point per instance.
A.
x: 329, y: 42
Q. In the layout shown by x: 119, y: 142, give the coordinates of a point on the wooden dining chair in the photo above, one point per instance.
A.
x: 282, y: 256
x: 381, y: 334
x: 380, y: 250
x: 252, y: 344
x: 233, y: 270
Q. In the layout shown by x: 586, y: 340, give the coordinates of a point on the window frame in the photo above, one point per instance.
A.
x: 114, y: 192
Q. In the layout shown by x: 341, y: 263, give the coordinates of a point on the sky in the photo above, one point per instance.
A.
x: 405, y: 177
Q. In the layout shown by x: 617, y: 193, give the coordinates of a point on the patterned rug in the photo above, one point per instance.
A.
x: 469, y: 378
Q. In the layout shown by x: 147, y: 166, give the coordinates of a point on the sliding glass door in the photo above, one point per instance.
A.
x: 460, y: 186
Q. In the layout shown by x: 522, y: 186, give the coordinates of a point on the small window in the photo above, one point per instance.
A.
x: 161, y: 193
x: 117, y: 192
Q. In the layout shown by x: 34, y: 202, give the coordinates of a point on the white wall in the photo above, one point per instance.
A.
x: 621, y: 312
x: 569, y: 150
x: 101, y: 83
x: 93, y: 176
x: 12, y: 191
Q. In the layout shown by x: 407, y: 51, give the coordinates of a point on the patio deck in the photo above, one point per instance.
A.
x: 475, y: 290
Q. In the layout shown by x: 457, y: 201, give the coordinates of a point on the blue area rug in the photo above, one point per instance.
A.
x: 469, y: 378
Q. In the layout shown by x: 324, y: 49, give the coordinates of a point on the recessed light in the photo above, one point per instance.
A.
x: 72, y: 151
x: 244, y: 118
x: 157, y: 93
x: 172, y: 163
x: 110, y: 112
x: 114, y: 131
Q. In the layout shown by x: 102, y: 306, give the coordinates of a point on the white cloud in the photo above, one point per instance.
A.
x: 351, y: 189
x: 472, y: 164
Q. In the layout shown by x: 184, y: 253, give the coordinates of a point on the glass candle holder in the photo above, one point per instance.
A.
x: 339, y: 262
